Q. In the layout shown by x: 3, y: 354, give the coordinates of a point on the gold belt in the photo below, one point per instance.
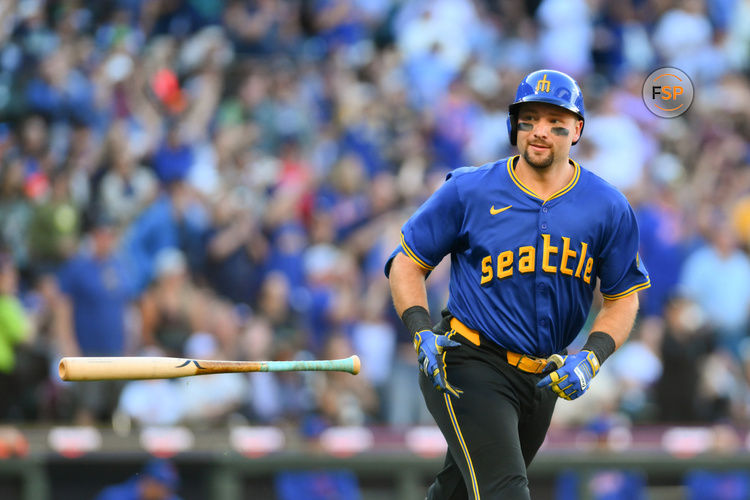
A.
x: 524, y: 362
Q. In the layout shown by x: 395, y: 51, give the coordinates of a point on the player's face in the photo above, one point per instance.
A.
x: 545, y: 133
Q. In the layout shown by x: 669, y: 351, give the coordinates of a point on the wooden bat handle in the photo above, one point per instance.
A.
x: 139, y: 368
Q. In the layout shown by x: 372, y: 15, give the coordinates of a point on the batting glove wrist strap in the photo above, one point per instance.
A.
x: 573, y: 378
x: 416, y: 319
x: 601, y: 344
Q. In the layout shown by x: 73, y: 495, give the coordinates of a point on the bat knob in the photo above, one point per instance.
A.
x: 554, y: 362
x: 356, y: 364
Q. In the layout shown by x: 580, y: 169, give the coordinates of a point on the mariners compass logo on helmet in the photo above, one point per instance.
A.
x: 548, y: 86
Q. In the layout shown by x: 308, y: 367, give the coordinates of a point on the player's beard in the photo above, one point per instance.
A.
x: 539, y: 164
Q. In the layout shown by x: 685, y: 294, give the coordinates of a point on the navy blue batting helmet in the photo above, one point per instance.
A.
x: 550, y: 86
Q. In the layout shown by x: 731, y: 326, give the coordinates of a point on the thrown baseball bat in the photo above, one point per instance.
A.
x: 144, y: 367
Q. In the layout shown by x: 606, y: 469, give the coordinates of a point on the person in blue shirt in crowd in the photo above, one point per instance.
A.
x: 98, y: 289
x: 158, y: 480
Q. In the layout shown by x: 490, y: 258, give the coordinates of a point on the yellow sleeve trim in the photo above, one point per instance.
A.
x: 413, y: 256
x: 629, y: 291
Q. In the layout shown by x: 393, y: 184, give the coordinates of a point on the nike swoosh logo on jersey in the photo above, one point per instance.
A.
x: 494, y: 211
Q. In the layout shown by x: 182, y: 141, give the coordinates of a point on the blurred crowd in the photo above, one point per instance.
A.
x: 224, y: 179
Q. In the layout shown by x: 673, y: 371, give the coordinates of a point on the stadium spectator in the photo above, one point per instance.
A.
x: 54, y: 225
x: 637, y: 367
x: 172, y: 308
x: 98, y: 289
x: 665, y: 242
x: 277, y: 397
x: 15, y: 209
x: 717, y: 277
x: 236, y: 250
x: 685, y: 345
x: 145, y: 403
x: 210, y: 401
x: 127, y: 187
x: 158, y: 480
x: 15, y: 328
x: 345, y: 400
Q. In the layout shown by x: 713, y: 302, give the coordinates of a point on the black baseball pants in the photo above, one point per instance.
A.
x: 493, y: 431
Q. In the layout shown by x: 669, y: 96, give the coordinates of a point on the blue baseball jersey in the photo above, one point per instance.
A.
x: 524, y: 270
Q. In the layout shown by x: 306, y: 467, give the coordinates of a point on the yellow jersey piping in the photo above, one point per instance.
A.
x: 522, y: 187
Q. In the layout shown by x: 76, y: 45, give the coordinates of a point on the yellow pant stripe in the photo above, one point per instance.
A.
x: 452, y: 414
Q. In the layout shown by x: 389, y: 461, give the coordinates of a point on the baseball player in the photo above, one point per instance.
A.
x: 529, y: 237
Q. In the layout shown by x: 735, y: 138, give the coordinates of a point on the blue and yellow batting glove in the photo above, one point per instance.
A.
x: 431, y: 356
x: 571, y: 379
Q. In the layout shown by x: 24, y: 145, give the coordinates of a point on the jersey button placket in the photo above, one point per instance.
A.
x: 543, y: 223
x: 543, y: 298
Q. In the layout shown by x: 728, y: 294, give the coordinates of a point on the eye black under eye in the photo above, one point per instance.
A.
x: 525, y: 126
